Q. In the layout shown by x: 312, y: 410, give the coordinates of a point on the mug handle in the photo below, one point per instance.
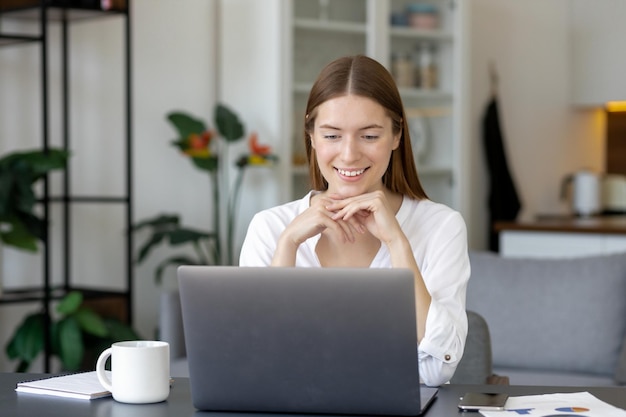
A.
x: 100, y: 372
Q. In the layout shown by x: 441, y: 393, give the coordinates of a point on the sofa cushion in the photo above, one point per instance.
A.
x: 552, y: 314
x: 554, y: 378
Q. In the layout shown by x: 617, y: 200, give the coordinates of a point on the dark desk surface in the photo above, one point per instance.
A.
x: 179, y: 402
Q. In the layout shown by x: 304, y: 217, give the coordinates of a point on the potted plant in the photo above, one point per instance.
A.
x: 75, y: 331
x: 206, y: 149
x: 78, y: 328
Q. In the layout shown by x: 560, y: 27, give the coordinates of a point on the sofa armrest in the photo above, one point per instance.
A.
x: 171, y: 323
x: 476, y: 364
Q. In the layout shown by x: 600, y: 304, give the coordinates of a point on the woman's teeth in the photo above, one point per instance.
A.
x: 350, y: 173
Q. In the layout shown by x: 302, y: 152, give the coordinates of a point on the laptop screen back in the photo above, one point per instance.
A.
x: 301, y: 340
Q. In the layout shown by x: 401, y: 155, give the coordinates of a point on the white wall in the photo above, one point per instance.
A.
x: 545, y: 137
x: 174, y: 69
x: 250, y: 82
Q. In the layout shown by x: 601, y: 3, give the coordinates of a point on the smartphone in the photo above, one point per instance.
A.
x: 473, y: 401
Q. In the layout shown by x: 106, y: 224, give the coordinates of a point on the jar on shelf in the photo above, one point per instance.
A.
x: 399, y: 19
x: 402, y: 70
x: 422, y: 16
x: 428, y: 72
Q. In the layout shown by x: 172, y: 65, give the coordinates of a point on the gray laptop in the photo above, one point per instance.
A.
x: 302, y: 340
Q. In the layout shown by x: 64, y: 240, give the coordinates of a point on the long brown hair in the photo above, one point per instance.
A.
x: 364, y: 76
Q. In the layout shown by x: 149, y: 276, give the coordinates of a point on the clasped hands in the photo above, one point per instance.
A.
x: 346, y: 218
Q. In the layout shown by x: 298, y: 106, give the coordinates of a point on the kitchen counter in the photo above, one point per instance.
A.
x: 568, y: 224
x: 562, y: 236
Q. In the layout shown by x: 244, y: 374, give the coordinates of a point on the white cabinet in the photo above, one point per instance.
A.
x: 598, y: 61
x: 538, y: 244
x: 320, y: 31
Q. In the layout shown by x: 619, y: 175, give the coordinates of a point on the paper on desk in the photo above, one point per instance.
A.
x: 82, y: 385
x: 582, y: 404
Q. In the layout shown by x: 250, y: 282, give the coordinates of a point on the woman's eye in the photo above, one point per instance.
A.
x: 370, y: 137
x: 331, y: 137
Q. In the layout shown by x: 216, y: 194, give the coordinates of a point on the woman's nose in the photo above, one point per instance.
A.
x: 350, y: 149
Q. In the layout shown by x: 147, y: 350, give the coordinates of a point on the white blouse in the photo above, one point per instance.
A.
x: 438, y: 237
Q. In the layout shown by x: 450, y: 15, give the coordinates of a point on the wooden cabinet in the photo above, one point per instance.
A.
x: 598, y: 63
x: 320, y: 31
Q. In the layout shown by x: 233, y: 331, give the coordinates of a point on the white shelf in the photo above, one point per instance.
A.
x: 418, y: 93
x: 412, y: 33
x: 330, y: 25
x: 414, y: 93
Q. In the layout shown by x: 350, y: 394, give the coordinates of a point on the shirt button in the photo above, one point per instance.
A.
x: 447, y: 357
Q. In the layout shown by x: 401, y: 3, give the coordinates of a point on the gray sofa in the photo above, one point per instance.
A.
x: 553, y: 321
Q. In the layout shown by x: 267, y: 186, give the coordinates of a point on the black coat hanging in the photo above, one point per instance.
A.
x: 504, y: 202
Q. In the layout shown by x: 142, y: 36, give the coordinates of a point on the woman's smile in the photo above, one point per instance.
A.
x: 350, y: 172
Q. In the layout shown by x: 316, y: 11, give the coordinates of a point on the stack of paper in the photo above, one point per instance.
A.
x: 84, y: 386
x: 581, y: 404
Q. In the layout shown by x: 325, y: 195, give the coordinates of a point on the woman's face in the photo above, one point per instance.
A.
x: 353, y: 140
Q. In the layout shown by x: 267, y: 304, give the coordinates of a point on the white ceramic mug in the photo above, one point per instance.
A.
x: 140, y: 371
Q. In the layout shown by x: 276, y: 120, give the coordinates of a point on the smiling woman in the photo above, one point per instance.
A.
x: 353, y: 138
x: 368, y: 208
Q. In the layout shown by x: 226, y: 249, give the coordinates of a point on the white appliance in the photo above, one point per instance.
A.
x: 584, y: 190
x: 614, y: 194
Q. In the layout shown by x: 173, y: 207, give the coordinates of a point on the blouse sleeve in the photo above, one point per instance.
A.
x: 446, y: 271
x: 260, y: 242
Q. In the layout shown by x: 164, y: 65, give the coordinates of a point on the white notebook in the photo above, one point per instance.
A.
x: 82, y: 386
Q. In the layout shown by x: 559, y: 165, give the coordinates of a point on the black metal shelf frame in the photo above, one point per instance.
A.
x: 64, y: 16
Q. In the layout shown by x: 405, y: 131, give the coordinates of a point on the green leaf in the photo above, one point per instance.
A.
x: 71, y: 347
x: 146, y: 248
x: 186, y: 124
x: 18, y: 173
x: 6, y: 187
x: 42, y: 162
x: 167, y: 227
x: 70, y: 303
x: 119, y: 331
x: 173, y: 261
x: 184, y: 235
x: 55, y: 338
x: 90, y: 322
x: 228, y: 124
x: 209, y: 164
x: 28, y: 339
x: 22, y: 366
x: 158, y: 222
x: 19, y: 237
x: 38, y: 162
x: 34, y: 225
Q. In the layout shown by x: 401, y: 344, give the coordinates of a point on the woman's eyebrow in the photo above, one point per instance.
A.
x: 372, y: 126
x: 327, y: 126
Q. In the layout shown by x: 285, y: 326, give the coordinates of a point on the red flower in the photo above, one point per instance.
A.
x: 198, y: 144
x: 256, y: 148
